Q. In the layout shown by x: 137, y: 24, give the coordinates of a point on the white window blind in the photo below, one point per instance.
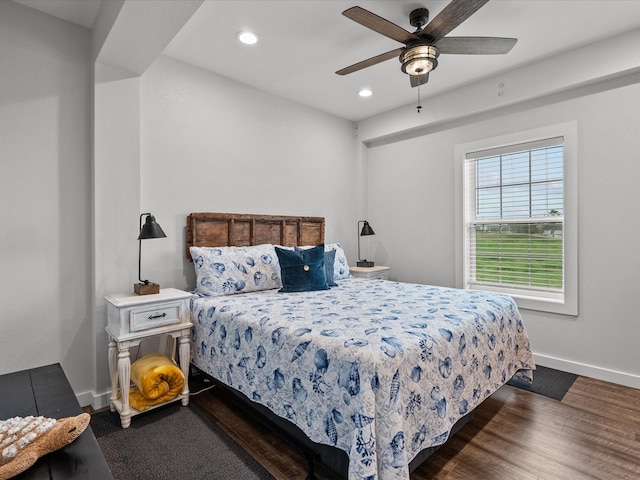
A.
x: 514, y: 219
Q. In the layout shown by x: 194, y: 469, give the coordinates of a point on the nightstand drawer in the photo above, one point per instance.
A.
x: 379, y: 271
x: 381, y: 275
x: 130, y: 314
x: 153, y: 316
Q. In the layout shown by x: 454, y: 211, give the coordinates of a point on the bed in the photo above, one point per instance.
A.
x: 380, y: 370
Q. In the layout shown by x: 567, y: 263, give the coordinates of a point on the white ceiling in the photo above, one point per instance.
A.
x: 303, y: 42
x: 80, y: 12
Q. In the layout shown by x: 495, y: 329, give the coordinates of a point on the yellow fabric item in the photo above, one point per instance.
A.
x: 157, y: 379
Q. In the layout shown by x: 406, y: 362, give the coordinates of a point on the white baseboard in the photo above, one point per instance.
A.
x: 621, y: 378
x: 95, y: 401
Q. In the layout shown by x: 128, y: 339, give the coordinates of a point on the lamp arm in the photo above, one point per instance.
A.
x: 146, y: 282
x: 358, y: 233
x: 140, y: 263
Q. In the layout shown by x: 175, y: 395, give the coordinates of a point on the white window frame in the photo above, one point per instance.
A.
x: 567, y: 302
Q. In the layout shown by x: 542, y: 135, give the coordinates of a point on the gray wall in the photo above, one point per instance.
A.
x: 211, y: 144
x: 413, y: 207
x: 45, y: 194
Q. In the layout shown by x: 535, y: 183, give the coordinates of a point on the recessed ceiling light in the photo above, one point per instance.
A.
x: 365, y: 92
x: 248, y: 38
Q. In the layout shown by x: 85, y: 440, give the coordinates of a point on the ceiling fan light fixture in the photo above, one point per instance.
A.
x: 419, y: 59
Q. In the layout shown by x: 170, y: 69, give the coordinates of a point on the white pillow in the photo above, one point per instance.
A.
x: 229, y: 270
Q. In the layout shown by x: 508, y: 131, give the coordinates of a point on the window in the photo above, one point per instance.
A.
x: 514, y: 228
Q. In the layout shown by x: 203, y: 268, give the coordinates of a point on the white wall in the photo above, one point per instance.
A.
x: 45, y: 194
x: 416, y: 233
x: 116, y: 192
x: 212, y: 144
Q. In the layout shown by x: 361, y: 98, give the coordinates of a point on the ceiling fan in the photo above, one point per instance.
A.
x: 421, y: 48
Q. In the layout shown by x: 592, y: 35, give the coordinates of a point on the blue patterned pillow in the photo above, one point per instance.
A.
x: 329, y: 261
x: 229, y: 270
x: 302, y: 270
x: 340, y: 265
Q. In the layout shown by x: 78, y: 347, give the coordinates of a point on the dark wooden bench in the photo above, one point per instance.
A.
x: 46, y: 391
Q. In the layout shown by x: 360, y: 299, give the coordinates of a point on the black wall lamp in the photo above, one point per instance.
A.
x: 366, y: 230
x: 150, y: 230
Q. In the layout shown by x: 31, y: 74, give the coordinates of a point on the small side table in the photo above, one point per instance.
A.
x: 133, y: 318
x: 378, y: 271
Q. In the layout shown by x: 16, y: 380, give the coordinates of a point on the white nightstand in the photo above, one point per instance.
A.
x: 131, y: 319
x: 378, y: 271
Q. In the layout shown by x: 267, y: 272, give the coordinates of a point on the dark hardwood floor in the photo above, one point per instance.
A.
x: 593, y: 433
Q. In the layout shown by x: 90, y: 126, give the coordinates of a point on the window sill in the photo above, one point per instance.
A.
x: 547, y: 305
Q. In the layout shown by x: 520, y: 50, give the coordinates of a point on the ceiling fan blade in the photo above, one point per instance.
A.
x: 417, y: 80
x: 371, y: 61
x: 379, y: 24
x: 450, y: 17
x: 476, y: 45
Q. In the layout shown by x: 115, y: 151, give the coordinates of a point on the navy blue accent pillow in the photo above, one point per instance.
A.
x: 302, y: 271
x: 329, y: 260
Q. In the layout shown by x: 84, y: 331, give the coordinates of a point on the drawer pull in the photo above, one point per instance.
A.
x: 153, y: 317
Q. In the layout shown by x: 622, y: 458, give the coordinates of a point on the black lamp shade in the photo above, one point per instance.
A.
x: 151, y: 229
x: 366, y: 229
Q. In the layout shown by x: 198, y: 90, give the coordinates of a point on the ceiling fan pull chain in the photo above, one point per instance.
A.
x: 419, y: 106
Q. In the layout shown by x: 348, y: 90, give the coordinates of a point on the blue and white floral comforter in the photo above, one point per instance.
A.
x: 379, y: 369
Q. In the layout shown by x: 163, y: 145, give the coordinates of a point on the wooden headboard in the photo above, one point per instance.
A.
x: 208, y: 229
